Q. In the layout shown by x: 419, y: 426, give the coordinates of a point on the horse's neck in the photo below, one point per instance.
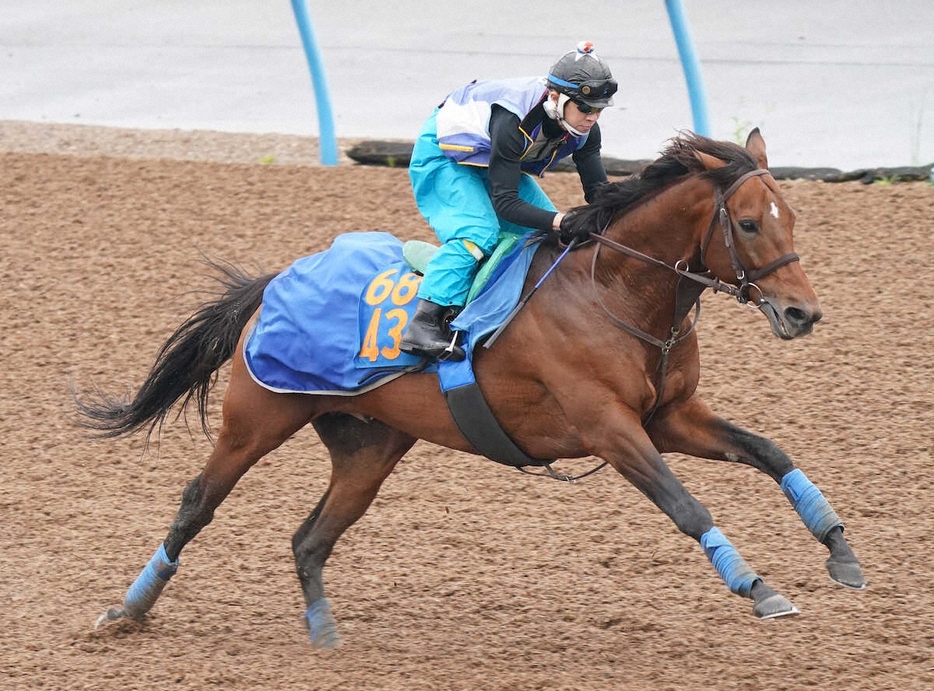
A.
x: 669, y: 226
x: 668, y: 229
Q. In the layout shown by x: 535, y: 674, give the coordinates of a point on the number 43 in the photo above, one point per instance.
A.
x: 399, y: 292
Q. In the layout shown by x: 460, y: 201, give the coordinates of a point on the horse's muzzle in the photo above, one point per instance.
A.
x: 790, y: 321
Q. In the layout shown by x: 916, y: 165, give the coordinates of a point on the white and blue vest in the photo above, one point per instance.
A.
x: 463, y: 121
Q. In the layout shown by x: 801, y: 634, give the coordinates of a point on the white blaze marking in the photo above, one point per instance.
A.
x: 773, y: 209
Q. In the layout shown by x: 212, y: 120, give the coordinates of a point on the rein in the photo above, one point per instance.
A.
x: 686, y: 300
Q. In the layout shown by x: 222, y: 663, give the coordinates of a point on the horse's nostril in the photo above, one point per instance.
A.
x: 796, y: 316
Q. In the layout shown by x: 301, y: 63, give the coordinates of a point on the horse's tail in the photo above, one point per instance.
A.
x: 186, y: 365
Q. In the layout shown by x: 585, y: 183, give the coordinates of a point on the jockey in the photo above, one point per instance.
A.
x: 472, y: 168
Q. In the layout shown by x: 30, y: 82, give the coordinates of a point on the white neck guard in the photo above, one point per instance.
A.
x: 555, y: 111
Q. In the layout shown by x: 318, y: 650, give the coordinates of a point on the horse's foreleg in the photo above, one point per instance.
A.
x: 363, y: 454
x: 245, y: 437
x: 694, y: 429
x: 634, y: 456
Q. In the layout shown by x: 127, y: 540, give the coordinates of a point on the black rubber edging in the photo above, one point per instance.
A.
x: 396, y: 154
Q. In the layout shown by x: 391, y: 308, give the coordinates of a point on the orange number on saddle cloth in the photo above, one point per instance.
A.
x: 400, y: 292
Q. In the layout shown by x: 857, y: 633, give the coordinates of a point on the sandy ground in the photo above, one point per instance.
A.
x: 464, y: 574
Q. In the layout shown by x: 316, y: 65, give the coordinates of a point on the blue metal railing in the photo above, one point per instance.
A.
x: 691, y: 66
x: 327, y: 140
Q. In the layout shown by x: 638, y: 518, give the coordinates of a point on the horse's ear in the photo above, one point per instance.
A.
x: 755, y: 144
x: 710, y: 162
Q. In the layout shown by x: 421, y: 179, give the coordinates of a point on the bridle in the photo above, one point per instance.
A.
x: 746, y: 279
x: 685, y: 301
x: 705, y: 277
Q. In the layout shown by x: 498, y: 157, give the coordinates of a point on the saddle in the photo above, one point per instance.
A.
x: 417, y: 254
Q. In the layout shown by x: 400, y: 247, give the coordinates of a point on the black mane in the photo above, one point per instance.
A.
x: 678, y: 160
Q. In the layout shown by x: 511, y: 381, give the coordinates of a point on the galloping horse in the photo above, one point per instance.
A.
x: 602, y: 361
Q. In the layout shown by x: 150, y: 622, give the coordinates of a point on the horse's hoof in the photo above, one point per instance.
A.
x: 846, y: 573
x: 774, y: 606
x: 327, y: 639
x: 322, y: 627
x: 111, y: 614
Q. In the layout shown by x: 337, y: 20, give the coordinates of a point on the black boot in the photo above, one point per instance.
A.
x: 428, y: 335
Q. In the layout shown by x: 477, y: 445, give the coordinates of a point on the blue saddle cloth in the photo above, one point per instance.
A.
x: 331, y: 323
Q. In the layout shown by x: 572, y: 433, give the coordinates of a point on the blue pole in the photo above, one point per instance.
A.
x: 691, y: 66
x: 327, y: 140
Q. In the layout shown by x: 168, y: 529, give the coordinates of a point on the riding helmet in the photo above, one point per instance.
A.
x: 584, y: 77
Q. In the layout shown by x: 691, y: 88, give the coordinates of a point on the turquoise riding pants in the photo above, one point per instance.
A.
x: 455, y: 200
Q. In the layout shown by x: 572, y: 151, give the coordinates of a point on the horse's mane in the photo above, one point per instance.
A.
x: 678, y: 160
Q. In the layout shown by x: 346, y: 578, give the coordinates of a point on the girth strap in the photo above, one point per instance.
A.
x: 477, y: 423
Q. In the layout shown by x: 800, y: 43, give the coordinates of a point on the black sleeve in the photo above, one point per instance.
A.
x: 507, y: 146
x: 590, y: 164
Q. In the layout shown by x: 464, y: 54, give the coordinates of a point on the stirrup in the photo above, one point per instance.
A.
x: 454, y: 352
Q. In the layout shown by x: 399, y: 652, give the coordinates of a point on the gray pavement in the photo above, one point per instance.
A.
x: 841, y: 83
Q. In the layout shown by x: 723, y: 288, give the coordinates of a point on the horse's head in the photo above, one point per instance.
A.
x: 662, y: 217
x: 750, y: 242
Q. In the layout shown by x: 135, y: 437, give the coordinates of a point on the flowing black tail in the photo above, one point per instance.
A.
x: 186, y: 365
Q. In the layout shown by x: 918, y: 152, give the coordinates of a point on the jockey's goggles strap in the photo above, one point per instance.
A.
x: 592, y: 88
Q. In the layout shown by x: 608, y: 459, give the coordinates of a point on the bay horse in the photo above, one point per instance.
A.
x: 603, y: 361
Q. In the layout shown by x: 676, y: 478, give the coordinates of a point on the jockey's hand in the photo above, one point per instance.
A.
x: 571, y: 228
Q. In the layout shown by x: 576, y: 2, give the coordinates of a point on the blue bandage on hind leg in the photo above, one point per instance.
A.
x: 147, y: 587
x: 733, y: 569
x: 815, y: 511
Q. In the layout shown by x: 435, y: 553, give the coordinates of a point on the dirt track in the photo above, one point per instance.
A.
x: 464, y: 574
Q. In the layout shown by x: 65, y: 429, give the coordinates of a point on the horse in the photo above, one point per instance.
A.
x: 602, y: 361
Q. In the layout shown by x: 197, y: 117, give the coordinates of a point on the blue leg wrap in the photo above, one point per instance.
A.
x: 733, y: 569
x: 815, y: 511
x: 322, y: 627
x: 147, y: 587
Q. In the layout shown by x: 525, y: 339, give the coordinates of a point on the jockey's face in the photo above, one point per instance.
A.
x: 575, y: 117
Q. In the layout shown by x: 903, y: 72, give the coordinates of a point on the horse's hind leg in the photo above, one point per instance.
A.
x: 363, y: 454
x: 694, y: 429
x: 245, y: 437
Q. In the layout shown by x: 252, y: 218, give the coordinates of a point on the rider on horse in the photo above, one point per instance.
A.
x: 467, y: 174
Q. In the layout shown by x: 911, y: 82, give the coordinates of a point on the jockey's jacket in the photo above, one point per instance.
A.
x: 463, y: 122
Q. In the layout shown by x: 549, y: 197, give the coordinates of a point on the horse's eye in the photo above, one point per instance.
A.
x: 749, y: 226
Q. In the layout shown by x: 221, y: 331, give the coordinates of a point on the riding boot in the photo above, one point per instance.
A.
x: 428, y: 335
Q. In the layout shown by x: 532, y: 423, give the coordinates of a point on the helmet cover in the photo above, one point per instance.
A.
x: 583, y: 76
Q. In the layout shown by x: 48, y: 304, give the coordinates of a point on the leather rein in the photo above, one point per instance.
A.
x: 685, y: 301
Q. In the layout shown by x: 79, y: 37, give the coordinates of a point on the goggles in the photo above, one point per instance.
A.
x: 584, y: 108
